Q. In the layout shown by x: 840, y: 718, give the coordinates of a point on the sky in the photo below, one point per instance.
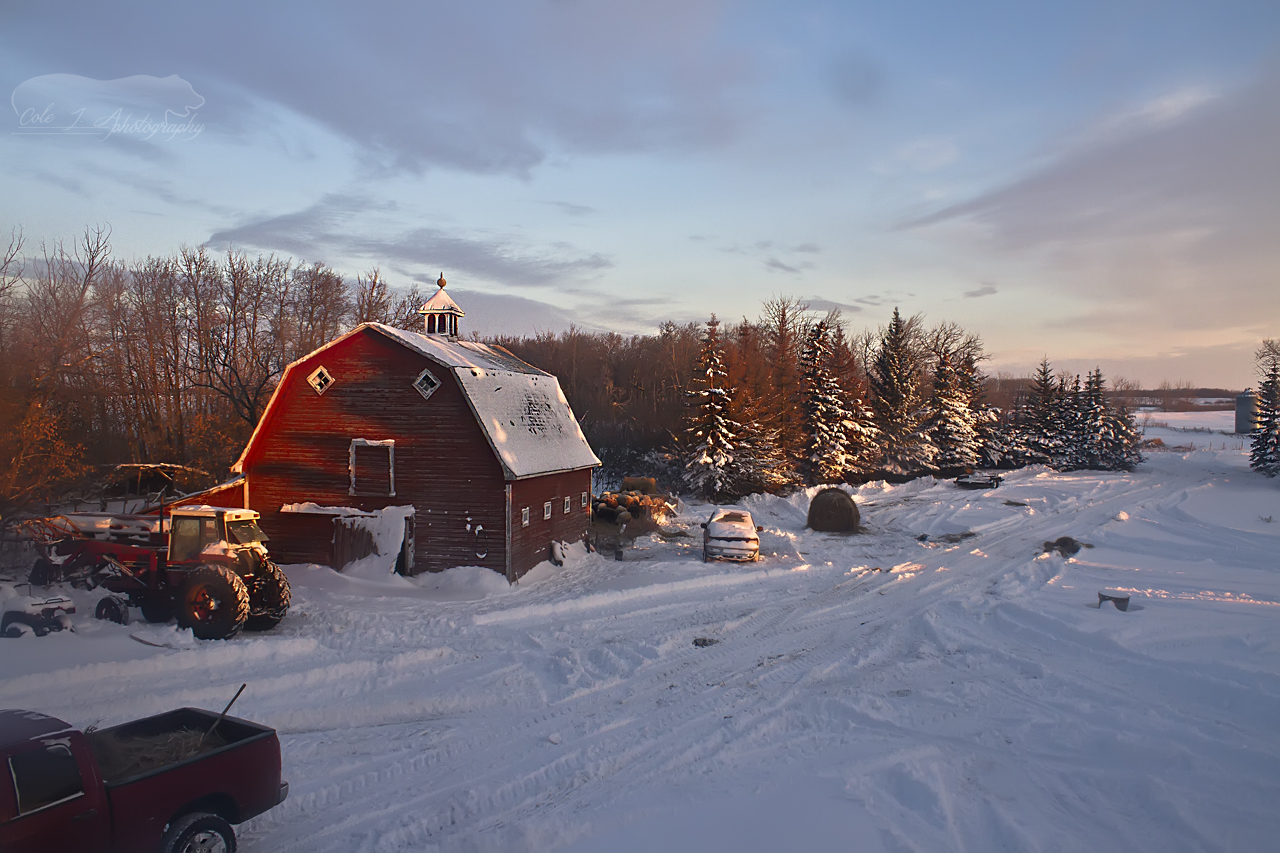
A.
x: 1095, y: 182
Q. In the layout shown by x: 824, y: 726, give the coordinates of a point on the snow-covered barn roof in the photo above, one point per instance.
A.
x: 522, y: 410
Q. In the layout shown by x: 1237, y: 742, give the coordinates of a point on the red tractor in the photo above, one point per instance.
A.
x: 211, y: 570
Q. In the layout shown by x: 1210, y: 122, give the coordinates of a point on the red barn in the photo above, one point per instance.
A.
x: 480, y: 449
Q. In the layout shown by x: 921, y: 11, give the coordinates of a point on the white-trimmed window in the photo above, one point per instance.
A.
x: 373, y: 467
x: 524, y: 517
x: 426, y: 384
x: 320, y: 379
x: 584, y: 499
x: 546, y: 510
x: 568, y: 505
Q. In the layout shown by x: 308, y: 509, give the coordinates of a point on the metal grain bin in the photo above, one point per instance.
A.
x: 1246, y: 411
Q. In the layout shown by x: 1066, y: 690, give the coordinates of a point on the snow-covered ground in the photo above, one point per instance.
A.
x: 937, y: 682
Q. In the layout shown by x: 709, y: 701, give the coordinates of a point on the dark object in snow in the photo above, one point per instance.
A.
x: 1116, y: 596
x: 979, y: 480
x: 1065, y: 545
x: 833, y: 511
x: 1014, y: 503
x: 949, y: 538
x: 703, y: 642
x: 152, y: 784
x: 36, y: 615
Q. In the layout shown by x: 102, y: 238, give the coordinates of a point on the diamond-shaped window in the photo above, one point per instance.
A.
x: 320, y: 380
x: 426, y: 384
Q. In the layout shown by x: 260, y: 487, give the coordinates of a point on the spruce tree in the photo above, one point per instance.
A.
x: 951, y: 424
x: 1039, y: 435
x: 711, y: 467
x: 1092, y: 423
x: 1123, y: 441
x: 1264, y: 454
x: 895, y: 397
x: 827, y: 418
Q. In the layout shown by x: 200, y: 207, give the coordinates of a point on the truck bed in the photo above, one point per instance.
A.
x: 157, y: 767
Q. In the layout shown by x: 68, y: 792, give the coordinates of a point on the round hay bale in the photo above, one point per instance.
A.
x: 623, y: 517
x: 833, y: 511
x: 642, y: 485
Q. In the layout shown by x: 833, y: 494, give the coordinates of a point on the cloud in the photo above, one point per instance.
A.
x: 985, y: 290
x: 1170, y: 224
x: 817, y: 303
x: 330, y: 230
x: 494, y: 87
x: 571, y: 209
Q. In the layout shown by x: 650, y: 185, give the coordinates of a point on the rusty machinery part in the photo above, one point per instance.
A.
x: 214, y: 603
x: 268, y: 598
x: 47, y: 531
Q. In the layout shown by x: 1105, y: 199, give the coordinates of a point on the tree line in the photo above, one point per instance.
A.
x: 899, y: 402
x: 173, y: 358
x: 166, y: 359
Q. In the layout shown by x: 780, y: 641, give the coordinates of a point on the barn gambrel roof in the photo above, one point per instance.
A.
x: 521, y: 410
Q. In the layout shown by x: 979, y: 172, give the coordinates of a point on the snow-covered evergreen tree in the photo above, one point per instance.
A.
x: 1092, y: 423
x: 1065, y: 422
x: 951, y: 424
x: 828, y: 419
x: 894, y: 377
x: 1039, y: 437
x: 1122, y: 444
x: 1264, y: 453
x: 712, y: 469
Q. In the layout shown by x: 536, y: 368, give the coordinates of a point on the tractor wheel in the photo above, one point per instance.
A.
x: 270, y: 601
x: 157, y: 609
x: 215, y: 603
x: 113, y: 608
x: 40, y: 572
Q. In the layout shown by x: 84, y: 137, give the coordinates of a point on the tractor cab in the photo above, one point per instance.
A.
x: 198, y: 532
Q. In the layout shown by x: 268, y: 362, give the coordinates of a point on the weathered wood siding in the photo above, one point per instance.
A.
x: 531, y: 545
x: 443, y: 463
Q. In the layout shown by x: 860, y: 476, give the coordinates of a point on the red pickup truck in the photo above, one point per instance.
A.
x: 164, y: 784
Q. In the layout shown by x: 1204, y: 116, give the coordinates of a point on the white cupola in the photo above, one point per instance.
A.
x: 440, y: 313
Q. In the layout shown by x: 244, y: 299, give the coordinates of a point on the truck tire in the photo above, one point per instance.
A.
x: 270, y: 599
x: 214, y: 604
x: 199, y: 832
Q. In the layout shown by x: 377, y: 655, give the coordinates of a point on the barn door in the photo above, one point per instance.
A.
x: 405, y: 564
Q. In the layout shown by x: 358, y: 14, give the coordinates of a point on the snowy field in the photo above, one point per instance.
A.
x: 936, y: 683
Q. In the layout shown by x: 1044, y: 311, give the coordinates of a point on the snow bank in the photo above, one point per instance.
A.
x: 900, y: 690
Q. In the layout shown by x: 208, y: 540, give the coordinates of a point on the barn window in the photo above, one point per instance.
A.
x: 320, y: 380
x: 426, y: 384
x: 568, y: 505
x: 373, y: 467
x: 524, y: 517
x: 546, y: 510
x: 584, y: 499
